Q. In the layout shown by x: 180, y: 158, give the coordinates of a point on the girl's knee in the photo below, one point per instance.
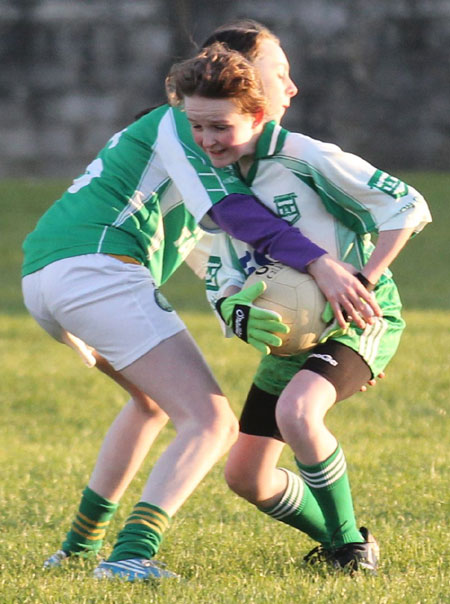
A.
x: 226, y: 425
x: 225, y: 431
x: 241, y: 481
x: 148, y: 408
x: 296, y: 414
x: 218, y: 423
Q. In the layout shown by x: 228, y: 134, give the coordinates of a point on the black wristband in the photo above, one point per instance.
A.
x: 365, y: 281
x: 219, y: 304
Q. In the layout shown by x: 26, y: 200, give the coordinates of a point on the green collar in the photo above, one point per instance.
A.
x: 271, y: 140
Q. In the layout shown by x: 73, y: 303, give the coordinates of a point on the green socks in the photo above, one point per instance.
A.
x: 328, y: 482
x: 140, y: 537
x: 299, y: 509
x: 90, y: 524
x: 142, y: 533
x: 320, y: 505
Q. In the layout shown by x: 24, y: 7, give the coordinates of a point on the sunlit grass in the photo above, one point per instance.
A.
x: 55, y: 413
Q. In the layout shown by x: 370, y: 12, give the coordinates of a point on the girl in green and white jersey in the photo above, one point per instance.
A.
x: 338, y: 200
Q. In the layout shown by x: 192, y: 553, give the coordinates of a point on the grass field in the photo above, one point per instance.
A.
x: 396, y: 439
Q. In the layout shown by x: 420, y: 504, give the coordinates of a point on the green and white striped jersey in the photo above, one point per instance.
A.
x: 337, y: 200
x: 143, y: 196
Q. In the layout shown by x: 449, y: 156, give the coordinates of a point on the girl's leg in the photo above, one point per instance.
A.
x: 251, y: 470
x: 301, y: 412
x: 252, y: 473
x: 127, y: 441
x: 175, y: 374
x: 123, y: 450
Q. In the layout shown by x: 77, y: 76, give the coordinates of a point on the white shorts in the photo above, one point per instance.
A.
x: 110, y: 305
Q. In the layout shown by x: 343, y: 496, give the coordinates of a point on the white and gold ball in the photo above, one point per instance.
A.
x: 299, y: 301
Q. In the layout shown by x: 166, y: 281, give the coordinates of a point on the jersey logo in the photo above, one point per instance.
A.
x: 390, y: 185
x: 287, y: 207
x: 325, y: 357
x: 214, y: 265
x: 229, y: 180
x: 229, y: 175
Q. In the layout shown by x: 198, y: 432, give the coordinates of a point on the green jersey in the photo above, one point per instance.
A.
x: 143, y: 196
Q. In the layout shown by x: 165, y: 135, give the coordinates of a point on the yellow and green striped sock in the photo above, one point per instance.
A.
x: 142, y: 533
x: 89, y: 525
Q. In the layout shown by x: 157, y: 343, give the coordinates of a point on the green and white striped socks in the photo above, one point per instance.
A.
x: 328, y: 482
x: 299, y: 509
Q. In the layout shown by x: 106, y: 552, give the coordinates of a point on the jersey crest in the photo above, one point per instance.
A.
x: 162, y: 301
x: 287, y: 207
x: 214, y: 265
x: 391, y: 185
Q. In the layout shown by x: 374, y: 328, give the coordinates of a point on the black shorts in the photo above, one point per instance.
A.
x: 337, y: 363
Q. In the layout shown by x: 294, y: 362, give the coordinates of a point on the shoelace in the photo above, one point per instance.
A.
x: 318, y: 554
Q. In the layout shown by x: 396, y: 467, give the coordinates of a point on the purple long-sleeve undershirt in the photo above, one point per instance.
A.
x: 245, y: 218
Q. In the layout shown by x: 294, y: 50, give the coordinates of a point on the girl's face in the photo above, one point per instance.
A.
x: 273, y: 68
x: 225, y: 134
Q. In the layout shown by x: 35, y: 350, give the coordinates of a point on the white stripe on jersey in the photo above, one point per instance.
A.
x: 274, y: 140
x: 135, y: 204
x: 100, y: 243
x: 221, y: 188
x: 157, y: 239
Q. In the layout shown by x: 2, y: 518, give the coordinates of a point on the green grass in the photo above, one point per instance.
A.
x: 395, y: 437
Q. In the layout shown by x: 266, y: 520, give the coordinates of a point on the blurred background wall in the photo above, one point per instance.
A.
x: 374, y: 75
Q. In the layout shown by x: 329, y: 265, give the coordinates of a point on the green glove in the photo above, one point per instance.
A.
x: 256, y: 326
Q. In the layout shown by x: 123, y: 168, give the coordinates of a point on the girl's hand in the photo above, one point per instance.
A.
x: 347, y: 296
